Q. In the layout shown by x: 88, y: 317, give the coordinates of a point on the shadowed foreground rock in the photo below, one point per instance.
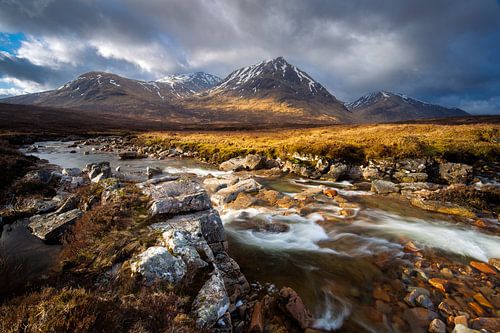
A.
x: 51, y: 227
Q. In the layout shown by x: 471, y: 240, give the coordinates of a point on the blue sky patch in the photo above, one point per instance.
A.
x: 11, y: 42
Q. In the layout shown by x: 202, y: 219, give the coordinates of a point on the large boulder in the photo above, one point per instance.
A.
x: 181, y: 244
x: 384, y: 187
x: 455, y: 173
x: 230, y: 193
x: 211, y: 303
x: 213, y: 185
x: 203, y: 227
x: 98, y: 171
x: 249, y: 162
x: 177, y: 196
x: 158, y: 264
x: 338, y: 171
x: 51, y: 227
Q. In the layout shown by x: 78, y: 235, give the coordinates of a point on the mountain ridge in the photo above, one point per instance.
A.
x: 271, y: 91
x: 385, y: 106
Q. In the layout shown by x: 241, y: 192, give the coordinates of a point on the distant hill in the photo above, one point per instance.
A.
x: 386, y: 106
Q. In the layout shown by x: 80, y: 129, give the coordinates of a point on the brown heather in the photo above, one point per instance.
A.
x: 461, y: 143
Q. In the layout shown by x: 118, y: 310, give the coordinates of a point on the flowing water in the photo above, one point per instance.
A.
x: 330, y: 265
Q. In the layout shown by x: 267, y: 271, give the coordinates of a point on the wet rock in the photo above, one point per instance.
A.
x: 275, y: 227
x: 461, y: 320
x: 211, y: 302
x: 330, y: 192
x: 51, y: 227
x: 476, y: 308
x: 257, y: 321
x: 98, y: 171
x: 463, y: 329
x: 152, y: 171
x: 439, y: 284
x: 178, y: 196
x: 379, y: 293
x: 230, y: 193
x: 384, y: 187
x: 437, y: 326
x: 130, y: 155
x: 442, y: 207
x: 419, y: 319
x: 486, y: 323
x: 294, y: 307
x: 338, y: 171
x: 249, y: 162
x: 411, y: 297
x: 483, y: 267
x: 455, y: 173
x: 425, y: 301
x: 478, y: 297
x: 73, y: 172
x: 495, y: 262
x: 158, y: 264
x: 214, y: 185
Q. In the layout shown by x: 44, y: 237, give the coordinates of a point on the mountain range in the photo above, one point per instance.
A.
x: 270, y: 92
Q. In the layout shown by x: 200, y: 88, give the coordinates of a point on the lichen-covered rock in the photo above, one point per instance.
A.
x: 249, y: 162
x: 455, y: 173
x: 158, y: 264
x: 205, y: 229
x: 181, y: 244
x: 230, y: 193
x: 51, y: 227
x: 410, y: 177
x: 211, y: 302
x: 98, y: 171
x: 384, y: 187
x: 176, y: 196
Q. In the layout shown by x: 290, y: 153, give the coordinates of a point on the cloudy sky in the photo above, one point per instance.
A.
x: 442, y: 51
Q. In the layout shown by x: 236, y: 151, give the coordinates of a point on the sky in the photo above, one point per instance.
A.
x: 441, y: 51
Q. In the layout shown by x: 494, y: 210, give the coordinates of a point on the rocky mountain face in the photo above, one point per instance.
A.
x: 110, y: 92
x: 270, y: 92
x: 385, y: 106
x: 183, y: 85
x: 273, y: 88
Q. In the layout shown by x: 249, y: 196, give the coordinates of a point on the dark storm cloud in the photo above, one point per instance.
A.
x: 444, y: 51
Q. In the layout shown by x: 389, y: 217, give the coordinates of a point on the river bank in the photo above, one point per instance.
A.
x: 358, y: 255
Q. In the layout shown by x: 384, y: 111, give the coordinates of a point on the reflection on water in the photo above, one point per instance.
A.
x: 24, y: 256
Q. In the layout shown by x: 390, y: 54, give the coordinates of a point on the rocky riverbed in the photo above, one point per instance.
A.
x: 302, y: 244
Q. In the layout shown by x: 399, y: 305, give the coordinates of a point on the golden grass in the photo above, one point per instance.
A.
x: 247, y: 105
x: 358, y: 142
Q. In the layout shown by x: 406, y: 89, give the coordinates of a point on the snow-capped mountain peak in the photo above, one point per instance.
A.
x: 199, y: 79
x: 375, y: 97
x: 267, y: 75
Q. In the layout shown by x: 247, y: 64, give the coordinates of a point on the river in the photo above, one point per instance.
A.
x: 331, y: 265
